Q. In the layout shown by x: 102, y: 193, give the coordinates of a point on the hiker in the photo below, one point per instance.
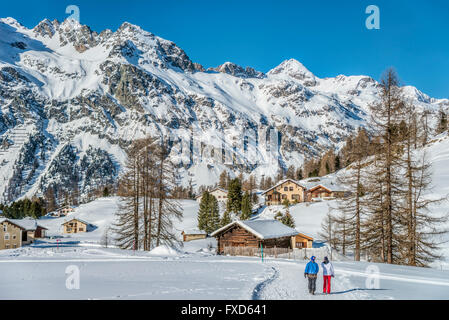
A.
x: 328, y: 273
x: 311, y: 273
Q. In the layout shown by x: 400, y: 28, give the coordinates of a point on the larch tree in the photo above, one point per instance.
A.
x: 223, y: 180
x: 350, y: 205
x: 442, y: 122
x: 127, y: 225
x: 168, y: 208
x: 420, y: 227
x: 385, y: 117
x: 328, y: 229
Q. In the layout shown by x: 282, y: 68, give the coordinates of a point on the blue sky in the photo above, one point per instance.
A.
x: 328, y: 37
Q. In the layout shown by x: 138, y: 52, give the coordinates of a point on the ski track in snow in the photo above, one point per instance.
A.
x: 258, y: 290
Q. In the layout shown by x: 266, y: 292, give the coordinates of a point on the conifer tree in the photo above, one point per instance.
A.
x: 208, y: 214
x: 299, y: 174
x: 288, y: 220
x: 246, y: 207
x: 442, y: 122
x: 203, y: 211
x: 234, y: 202
x: 214, y: 217
x: 226, y: 219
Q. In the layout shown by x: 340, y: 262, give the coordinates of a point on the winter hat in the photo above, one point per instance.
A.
x: 326, y: 259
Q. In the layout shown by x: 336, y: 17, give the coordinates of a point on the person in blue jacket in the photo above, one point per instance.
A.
x: 311, y: 273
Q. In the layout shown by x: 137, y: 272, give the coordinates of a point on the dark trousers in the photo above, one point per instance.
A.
x: 312, y: 282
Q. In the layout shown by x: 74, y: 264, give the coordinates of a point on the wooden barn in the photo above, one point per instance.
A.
x: 320, y: 192
x: 253, y: 234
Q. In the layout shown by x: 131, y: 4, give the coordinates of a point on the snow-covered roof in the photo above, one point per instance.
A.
x: 329, y: 182
x: 262, y: 229
x: 194, y: 231
x: 77, y: 219
x: 284, y: 181
x: 27, y: 224
x: 210, y: 191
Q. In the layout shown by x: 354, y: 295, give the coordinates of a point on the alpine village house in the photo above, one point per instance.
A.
x: 220, y: 194
x: 14, y: 233
x: 286, y: 189
x: 76, y: 225
x: 295, y: 192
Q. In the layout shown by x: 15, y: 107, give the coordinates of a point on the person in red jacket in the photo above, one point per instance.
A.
x: 328, y: 273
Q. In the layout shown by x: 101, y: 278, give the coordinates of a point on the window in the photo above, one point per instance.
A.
x: 269, y: 197
x: 14, y: 246
x: 295, y: 196
x: 81, y: 229
x: 7, y: 246
x: 285, y: 188
x: 6, y: 236
x: 291, y: 188
x: 5, y: 227
x: 299, y: 245
x: 14, y: 237
x: 284, y: 196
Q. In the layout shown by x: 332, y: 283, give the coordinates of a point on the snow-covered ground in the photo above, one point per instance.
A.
x: 192, y: 271
x: 197, y: 273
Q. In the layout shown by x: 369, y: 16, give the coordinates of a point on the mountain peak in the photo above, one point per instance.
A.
x: 46, y: 28
x: 238, y: 71
x: 11, y: 21
x: 72, y: 24
x: 295, y: 69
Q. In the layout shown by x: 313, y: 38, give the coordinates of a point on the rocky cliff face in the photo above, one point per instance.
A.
x: 73, y: 99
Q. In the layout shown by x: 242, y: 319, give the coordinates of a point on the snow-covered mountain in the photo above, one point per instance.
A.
x: 72, y: 99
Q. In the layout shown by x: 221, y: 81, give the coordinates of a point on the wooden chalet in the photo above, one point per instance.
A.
x: 76, y: 225
x: 254, y: 234
x: 287, y: 189
x: 302, y: 241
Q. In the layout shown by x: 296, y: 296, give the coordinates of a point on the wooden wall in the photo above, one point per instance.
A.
x: 237, y: 236
x: 190, y: 237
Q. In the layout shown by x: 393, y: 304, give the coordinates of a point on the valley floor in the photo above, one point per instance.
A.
x: 39, y: 272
